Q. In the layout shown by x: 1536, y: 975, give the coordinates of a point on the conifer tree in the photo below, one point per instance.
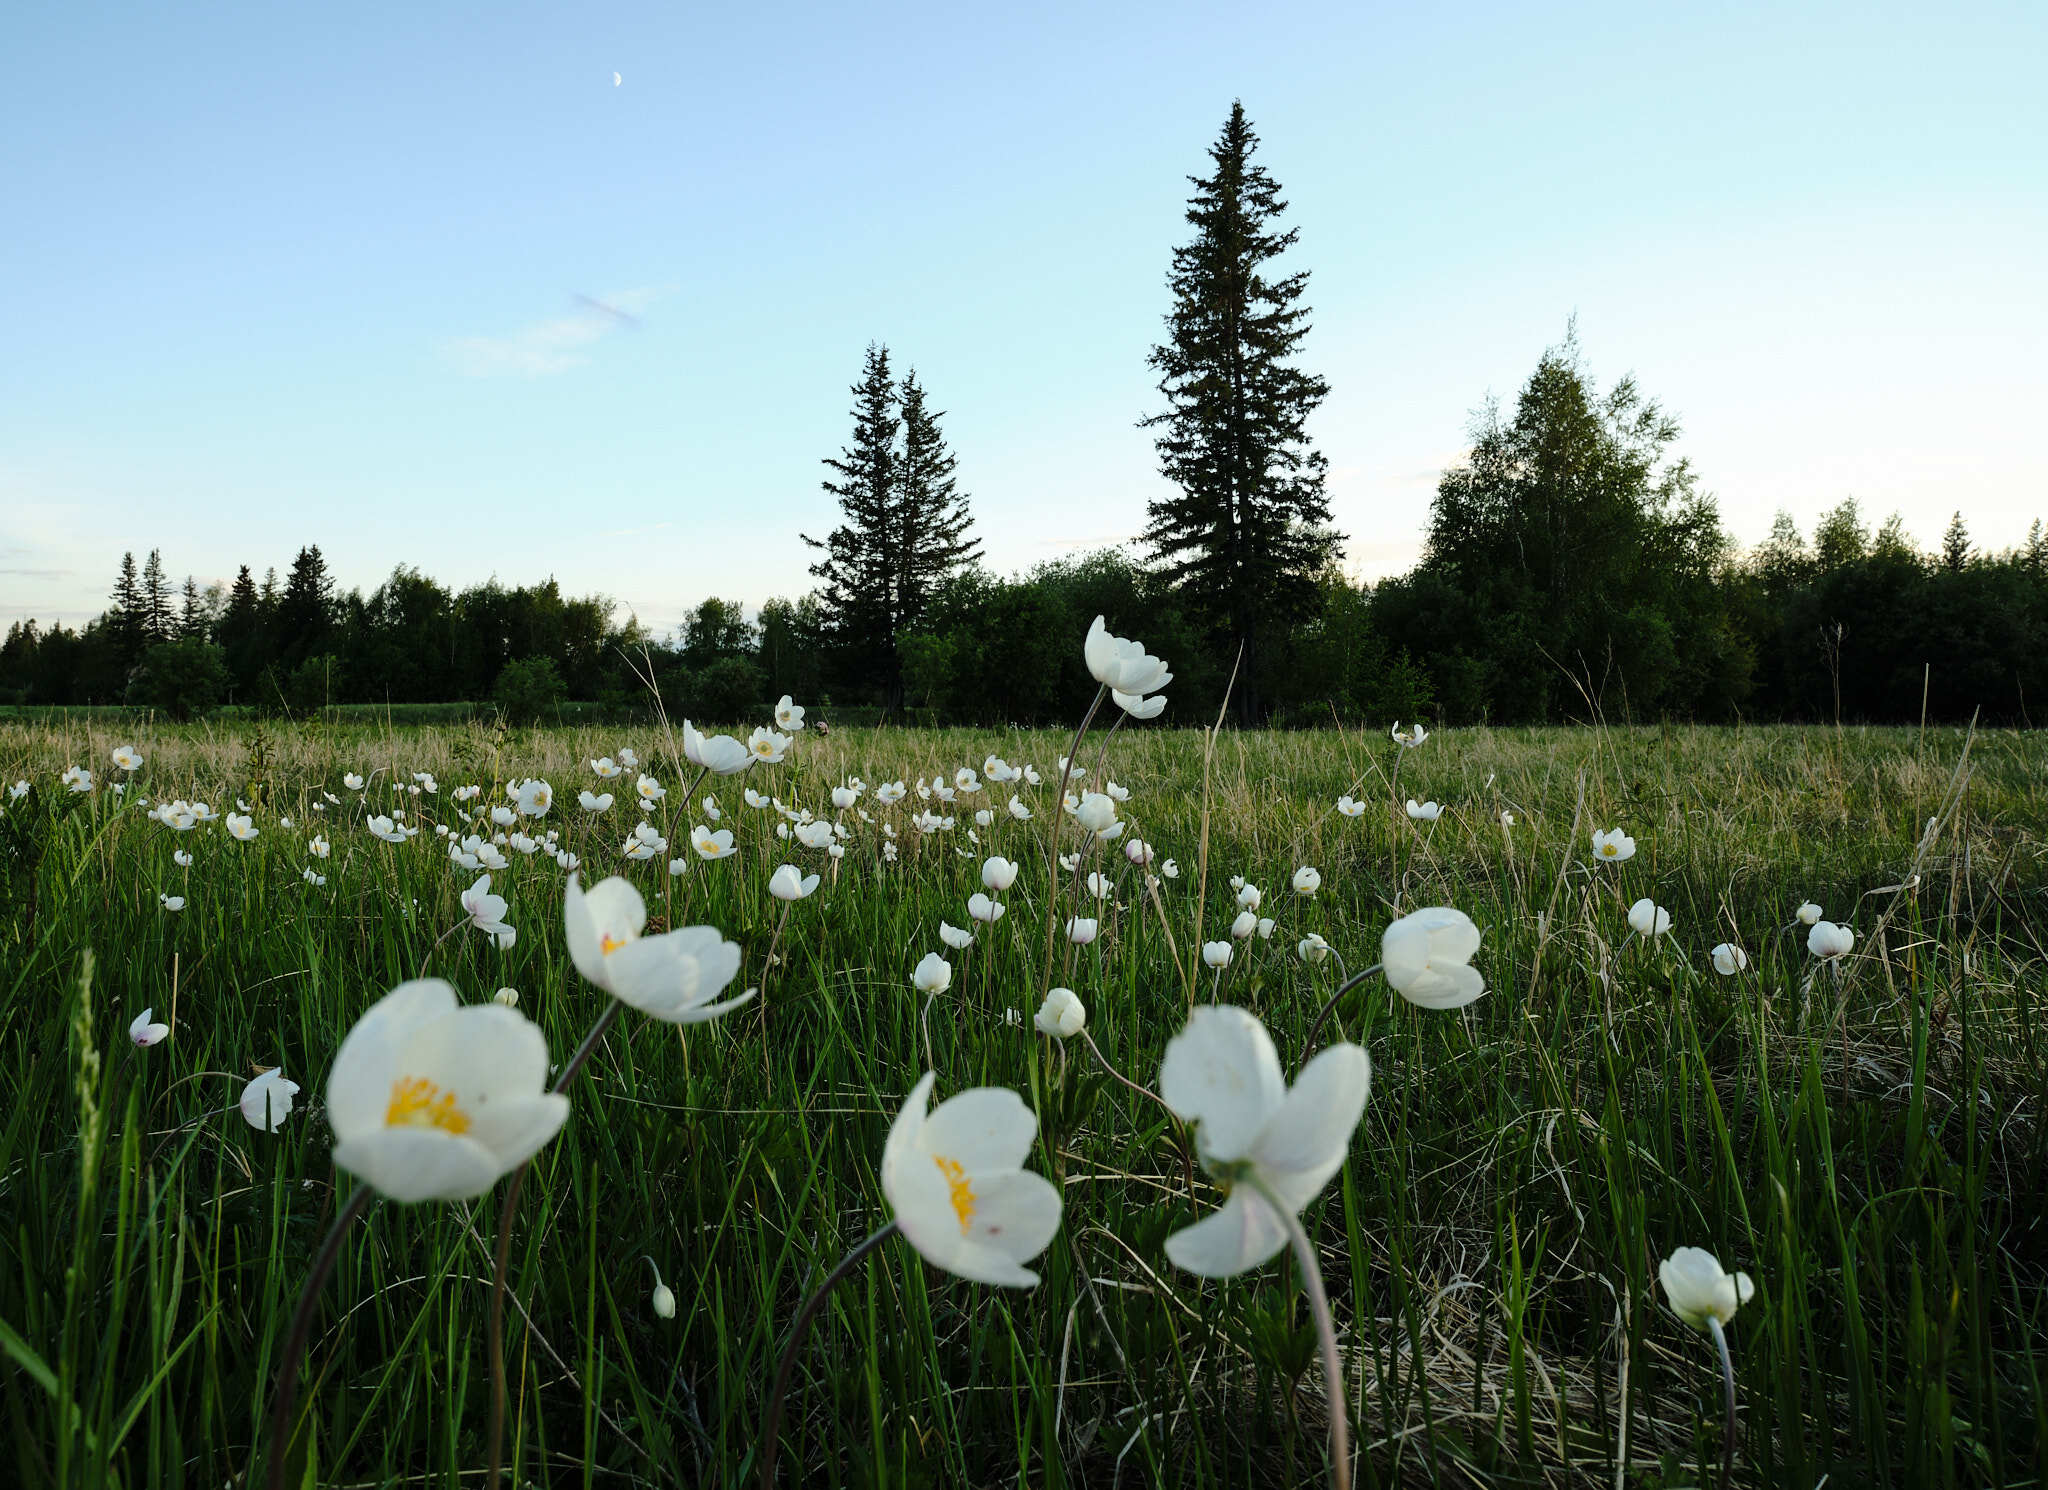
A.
x: 858, y: 570
x: 157, y: 625
x: 932, y: 539
x: 124, y: 617
x: 1955, y: 545
x: 1248, y: 530
x: 304, y: 612
x: 191, y: 619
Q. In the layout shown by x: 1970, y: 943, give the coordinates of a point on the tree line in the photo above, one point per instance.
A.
x: 1574, y: 568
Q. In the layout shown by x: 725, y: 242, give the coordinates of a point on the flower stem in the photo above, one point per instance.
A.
x: 1326, y: 1334
x: 1728, y: 1400
x: 771, y: 1422
x: 1052, y: 839
x: 504, y: 1255
x: 286, y: 1395
x: 1143, y: 1091
x: 1343, y: 988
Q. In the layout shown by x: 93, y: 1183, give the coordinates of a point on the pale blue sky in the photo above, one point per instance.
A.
x: 276, y: 274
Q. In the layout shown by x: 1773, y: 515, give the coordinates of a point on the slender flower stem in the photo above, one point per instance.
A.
x: 1728, y: 1389
x: 1343, y: 988
x: 504, y: 1255
x: 287, y: 1392
x: 1143, y: 1091
x: 1326, y: 1334
x: 771, y: 1422
x: 1052, y: 840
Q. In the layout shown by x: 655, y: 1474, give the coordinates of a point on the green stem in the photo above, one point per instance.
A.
x: 1326, y: 1334
x: 1315, y: 1028
x: 287, y: 1392
x: 771, y: 1423
x: 1728, y: 1399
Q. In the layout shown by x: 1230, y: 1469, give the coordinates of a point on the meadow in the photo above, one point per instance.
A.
x: 1861, y: 1134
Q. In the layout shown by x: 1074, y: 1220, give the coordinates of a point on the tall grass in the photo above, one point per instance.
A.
x: 1866, y: 1145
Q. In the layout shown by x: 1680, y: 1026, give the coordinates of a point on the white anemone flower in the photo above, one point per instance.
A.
x: 431, y: 1100
x: 1350, y: 806
x: 143, y: 1032
x: 535, y: 798
x: 1254, y: 1134
x: 1138, y: 707
x: 184, y: 860
x: 815, y: 834
x: 788, y: 715
x: 650, y: 789
x: 1139, y: 852
x: 981, y: 908
x: 388, y: 830
x: 1427, y: 957
x: 604, y: 768
x: 1216, y: 954
x: 1248, y: 897
x: 591, y: 801
x: 486, y: 911
x: 1613, y: 846
x: 956, y: 937
x: 267, y: 1101
x: 954, y: 1178
x: 674, y: 977
x: 1729, y: 959
x: 791, y: 883
x: 1081, y: 930
x: 767, y: 746
x: 1312, y: 948
x: 127, y: 757
x: 998, y: 873
x: 1170, y: 869
x: 1307, y: 880
x: 890, y: 792
x: 77, y: 779
x: 1246, y: 923
x: 242, y: 827
x: 1698, y: 1288
x: 933, y: 974
x: 1648, y: 918
x: 629, y: 760
x: 1122, y: 666
x: 1424, y: 812
x: 509, y: 997
x: 1410, y: 738
x: 1808, y: 914
x: 1099, y: 884
x: 1096, y: 811
x: 1062, y: 1014
x: 710, y: 845
x: 171, y: 902
x: 352, y: 781
x: 1018, y: 810
x: 1827, y: 941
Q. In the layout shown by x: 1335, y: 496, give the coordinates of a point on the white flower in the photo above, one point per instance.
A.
x: 390, y: 831
x: 1613, y: 846
x: 140, y: 1030
x: 664, y: 1301
x: 1828, y: 941
x: 1308, y: 880
x: 1729, y: 959
x: 241, y: 827
x: 1649, y: 918
x: 180, y: 858
x: 1137, y: 707
x: 509, y: 997
x: 1217, y: 954
x: 766, y: 746
x: 790, y: 883
x: 1096, y: 811
x: 1507, y: 819
x: 77, y: 778
x: 352, y: 781
x: 844, y: 797
x: 956, y: 1182
x: 1170, y: 869
x: 1099, y: 884
x: 998, y: 873
x: 1119, y: 793
x: 591, y: 801
x: 604, y: 768
x: 431, y: 1100
x: 955, y: 937
x: 673, y: 977
x: 1698, y: 1289
x: 312, y: 876
x: 1808, y: 914
x: 981, y: 908
x: 965, y: 780
x: 486, y: 911
x: 649, y: 788
x: 646, y: 843
x: 535, y: 798
x: 1424, y: 812
x: 1409, y: 739
x: 890, y: 792
x: 678, y: 867
x: 1222, y: 1074
x: 1248, y: 897
x: 711, y: 808
x: 1018, y: 810
x: 817, y: 834
x: 1427, y: 957
x: 932, y: 975
x: 1350, y: 806
x: 267, y: 1101
x: 1061, y: 1014
x: 1246, y: 923
x: 17, y: 791
x: 1312, y: 948
x: 318, y: 846
x: 1138, y: 851
x: 127, y: 757
x: 1081, y: 930
x: 1266, y: 925
x: 710, y: 845
x: 629, y: 760
x: 504, y: 816
x: 789, y: 716
x: 1120, y: 665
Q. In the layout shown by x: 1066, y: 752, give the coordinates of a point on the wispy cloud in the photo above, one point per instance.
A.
x: 553, y: 345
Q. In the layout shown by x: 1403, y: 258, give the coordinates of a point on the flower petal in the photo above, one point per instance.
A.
x: 1243, y: 1234
x: 1222, y: 1073
x: 359, y: 1086
x: 411, y: 1164
x: 983, y: 1129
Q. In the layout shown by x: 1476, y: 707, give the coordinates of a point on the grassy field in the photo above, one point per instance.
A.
x: 1863, y: 1139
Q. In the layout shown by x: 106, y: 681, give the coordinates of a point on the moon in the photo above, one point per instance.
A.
x: 616, y: 80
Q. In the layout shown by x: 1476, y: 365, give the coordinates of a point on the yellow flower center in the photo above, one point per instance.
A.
x: 1609, y: 850
x: 608, y: 944
x: 417, y: 1103
x: 959, y: 1189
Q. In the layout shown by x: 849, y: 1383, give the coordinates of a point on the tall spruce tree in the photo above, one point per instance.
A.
x: 933, y: 520
x: 124, y: 616
x: 305, y: 612
x: 157, y: 624
x: 859, y: 568
x: 191, y: 617
x: 1248, y: 530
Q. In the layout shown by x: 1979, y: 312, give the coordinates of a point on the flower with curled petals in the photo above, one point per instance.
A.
x: 675, y: 977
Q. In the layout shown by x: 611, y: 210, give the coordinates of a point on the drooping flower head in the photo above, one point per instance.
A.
x: 267, y: 1101
x: 1062, y: 1014
x: 1122, y: 666
x: 1427, y: 957
x: 1698, y: 1288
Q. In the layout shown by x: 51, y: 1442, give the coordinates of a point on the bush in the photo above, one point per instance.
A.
x: 528, y: 690
x: 184, y: 678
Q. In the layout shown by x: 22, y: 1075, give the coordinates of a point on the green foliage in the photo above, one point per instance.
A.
x: 184, y: 678
x: 529, y: 690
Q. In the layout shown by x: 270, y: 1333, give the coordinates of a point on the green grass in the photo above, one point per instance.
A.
x: 1490, y: 1247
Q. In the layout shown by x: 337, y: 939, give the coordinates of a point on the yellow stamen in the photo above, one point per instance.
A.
x: 608, y: 944
x: 417, y: 1103
x: 959, y: 1190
